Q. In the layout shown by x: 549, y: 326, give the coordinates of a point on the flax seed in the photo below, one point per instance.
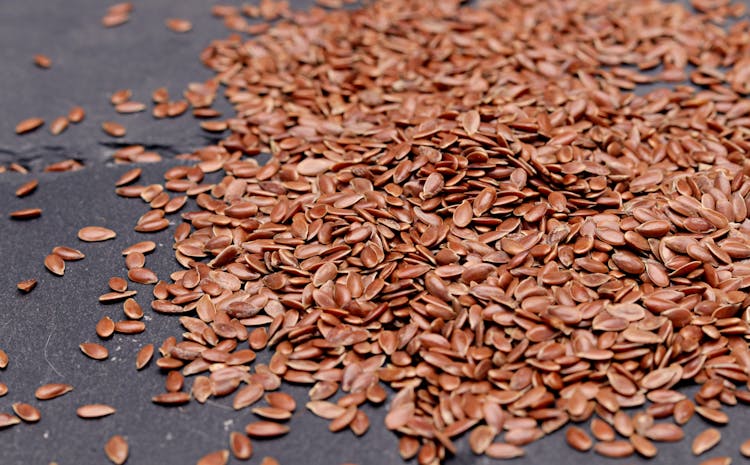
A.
x: 113, y: 129
x: 29, y: 125
x: 240, y: 445
x: 27, y: 188
x: 51, y: 391
x: 26, y: 285
x: 26, y: 412
x: 95, y: 411
x: 95, y: 351
x: 117, y: 449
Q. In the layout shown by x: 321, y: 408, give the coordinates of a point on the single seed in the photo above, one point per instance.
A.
x: 118, y: 284
x: 706, y: 440
x: 7, y: 420
x: 179, y: 25
x: 128, y: 177
x: 51, y: 391
x: 42, y: 61
x: 76, y: 115
x: 94, y: 411
x: 29, y: 125
x: 614, y: 449
x: 265, y: 429
x: 117, y: 449
x: 140, y: 247
x: 132, y: 309
x: 218, y: 457
x: 129, y: 327
x: 113, y: 129
x: 26, y: 412
x: 120, y: 96
x: 105, y: 327
x: 214, y: 126
x: 55, y: 264
x: 499, y: 450
x: 745, y: 448
x: 717, y: 461
x: 27, y: 188
x: 95, y: 234
x: 58, y: 125
x: 643, y: 446
x: 93, y: 350
x: 171, y: 398
x: 26, y: 214
x: 578, y: 439
x: 68, y: 254
x: 26, y: 285
x: 144, y: 356
x: 240, y: 445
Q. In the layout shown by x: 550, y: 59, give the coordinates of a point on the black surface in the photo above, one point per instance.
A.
x: 41, y: 331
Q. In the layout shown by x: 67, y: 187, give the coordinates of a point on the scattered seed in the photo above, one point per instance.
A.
x: 141, y: 247
x: 51, y: 391
x: 95, y: 234
x: 105, y: 327
x: 127, y: 108
x: 93, y: 350
x: 113, y: 129
x: 240, y: 445
x: 55, y: 264
x: 171, y: 398
x: 265, y: 429
x: 27, y: 188
x: 614, y: 449
x: 76, y: 115
x: 68, y: 254
x: 26, y: 285
x: 26, y: 412
x: 499, y: 450
x: 26, y: 214
x: 42, y: 61
x: 745, y: 448
x: 706, y: 440
x: 578, y: 439
x: 717, y: 461
x: 29, y: 125
x: 95, y: 411
x: 128, y: 177
x: 7, y: 420
x: 179, y: 25
x: 117, y: 449
x: 129, y: 327
x: 144, y: 356
x: 58, y: 125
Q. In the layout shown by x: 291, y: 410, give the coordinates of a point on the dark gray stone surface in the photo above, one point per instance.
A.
x: 41, y: 331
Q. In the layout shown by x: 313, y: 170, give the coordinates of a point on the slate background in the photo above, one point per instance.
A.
x: 41, y: 331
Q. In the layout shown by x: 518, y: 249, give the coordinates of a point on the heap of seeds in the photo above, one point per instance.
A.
x: 471, y: 206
